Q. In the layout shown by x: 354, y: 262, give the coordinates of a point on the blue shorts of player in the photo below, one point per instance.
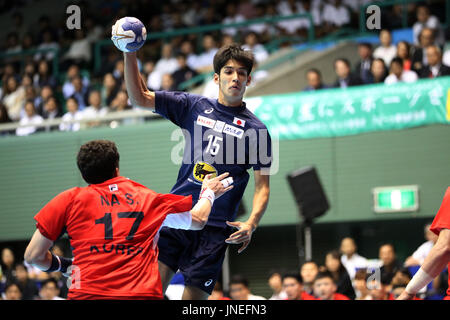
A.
x: 197, y: 254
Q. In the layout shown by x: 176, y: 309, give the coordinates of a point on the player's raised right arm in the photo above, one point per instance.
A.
x: 137, y: 89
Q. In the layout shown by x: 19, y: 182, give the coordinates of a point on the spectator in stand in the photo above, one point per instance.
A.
x: 49, y: 290
x: 308, y: 272
x: 325, y: 287
x: 351, y: 260
x: 314, y: 79
x: 79, y: 51
x: 39, y: 102
x: 29, y: 121
x: 118, y: 72
x: 43, y: 77
x: 252, y: 44
x: 204, y: 61
x: 109, y: 89
x: 95, y: 108
x: 292, y: 285
x: 12, y: 44
x: 7, y: 265
x: 344, y: 77
x: 335, y: 15
x: 217, y: 293
x: 418, y: 257
x: 167, y: 83
x: 61, y: 280
x: 184, y: 72
x: 239, y: 289
x: 419, y: 57
x: 27, y: 286
x: 386, y: 51
x: 72, y: 114
x: 378, y: 71
x: 80, y: 92
x: 360, y: 285
x: 404, y: 52
x: 435, y: 68
x: 188, y: 50
x: 276, y: 285
x: 28, y: 42
x: 264, y: 29
x: 68, y: 88
x: 379, y: 289
x: 363, y: 66
x: 397, y: 74
x: 51, y: 111
x: 167, y: 64
x: 340, y: 275
x: 401, y: 277
x: 48, y: 43
x: 288, y: 8
x: 426, y: 20
x: 390, y: 264
x: 13, y: 98
x: 231, y: 17
x: 12, y: 291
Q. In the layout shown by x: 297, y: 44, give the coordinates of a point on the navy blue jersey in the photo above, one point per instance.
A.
x: 218, y: 139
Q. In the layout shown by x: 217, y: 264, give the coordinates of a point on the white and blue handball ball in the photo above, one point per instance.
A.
x: 128, y: 34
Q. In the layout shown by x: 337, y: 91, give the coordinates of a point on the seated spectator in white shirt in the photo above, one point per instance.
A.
x: 95, y: 109
x: 335, y: 15
x: 288, y: 8
x: 188, y: 49
x: 48, y: 43
x: 30, y: 119
x: 204, y: 61
x: 426, y: 20
x: 232, y: 17
x: 276, y: 285
x: 13, y: 98
x: 50, y: 290
x: 73, y: 114
x: 258, y: 50
x: 418, y: 257
x: 166, y: 64
x: 398, y: 74
x: 351, y: 260
x: 386, y: 51
x: 80, y: 49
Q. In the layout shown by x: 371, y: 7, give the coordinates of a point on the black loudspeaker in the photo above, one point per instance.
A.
x: 308, y: 193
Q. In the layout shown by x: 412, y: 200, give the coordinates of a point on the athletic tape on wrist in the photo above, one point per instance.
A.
x: 420, y: 280
x: 208, y: 194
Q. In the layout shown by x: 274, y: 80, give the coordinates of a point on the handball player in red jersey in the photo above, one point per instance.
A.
x: 113, y: 226
x: 439, y: 255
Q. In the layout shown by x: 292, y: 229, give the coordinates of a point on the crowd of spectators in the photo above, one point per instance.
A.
x: 345, y: 275
x: 391, y: 63
x: 342, y: 275
x: 31, y: 92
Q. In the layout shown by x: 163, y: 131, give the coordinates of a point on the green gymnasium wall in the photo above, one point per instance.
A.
x: 34, y: 169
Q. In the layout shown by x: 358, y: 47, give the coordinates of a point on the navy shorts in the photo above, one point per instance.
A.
x: 198, y: 254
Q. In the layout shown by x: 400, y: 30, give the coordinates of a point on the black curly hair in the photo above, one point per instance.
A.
x: 98, y: 160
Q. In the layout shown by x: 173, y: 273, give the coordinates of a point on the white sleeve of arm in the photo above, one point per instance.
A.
x: 181, y: 220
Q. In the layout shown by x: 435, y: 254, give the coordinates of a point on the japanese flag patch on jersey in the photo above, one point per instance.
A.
x: 239, y: 122
x: 113, y: 187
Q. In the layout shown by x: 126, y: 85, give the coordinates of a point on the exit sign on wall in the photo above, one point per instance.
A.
x: 396, y: 199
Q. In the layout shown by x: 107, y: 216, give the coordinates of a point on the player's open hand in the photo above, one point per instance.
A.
x: 243, y: 235
x: 219, y: 185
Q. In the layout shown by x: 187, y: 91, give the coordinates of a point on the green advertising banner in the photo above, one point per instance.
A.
x: 341, y: 112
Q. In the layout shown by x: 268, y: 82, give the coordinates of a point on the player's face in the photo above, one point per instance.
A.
x: 232, y: 81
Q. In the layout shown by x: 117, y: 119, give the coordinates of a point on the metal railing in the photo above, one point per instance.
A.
x: 111, y: 116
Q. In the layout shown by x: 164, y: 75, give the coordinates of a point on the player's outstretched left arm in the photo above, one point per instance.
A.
x: 260, y: 200
x: 433, y: 265
x: 38, y: 255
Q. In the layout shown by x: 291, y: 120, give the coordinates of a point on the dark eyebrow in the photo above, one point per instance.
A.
x: 230, y: 67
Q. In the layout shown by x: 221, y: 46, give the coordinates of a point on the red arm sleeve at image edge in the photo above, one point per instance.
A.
x: 442, y: 219
x: 52, y: 217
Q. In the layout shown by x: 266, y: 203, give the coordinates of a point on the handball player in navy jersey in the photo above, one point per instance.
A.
x: 221, y: 135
